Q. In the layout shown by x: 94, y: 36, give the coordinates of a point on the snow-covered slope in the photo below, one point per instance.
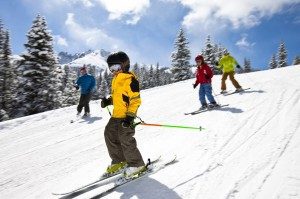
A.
x: 250, y: 149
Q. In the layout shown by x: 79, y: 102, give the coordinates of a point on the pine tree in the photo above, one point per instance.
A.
x: 41, y: 75
x: 144, y: 77
x: 157, y: 76
x: 103, y: 89
x: 180, y: 58
x: 2, y: 111
x: 136, y: 70
x: 282, y: 55
x: 209, y: 52
x: 7, y: 76
x: 247, y: 65
x: 273, y: 63
x: 108, y: 78
x: 296, y: 61
x: 151, y: 81
x: 69, y: 96
x: 166, y: 76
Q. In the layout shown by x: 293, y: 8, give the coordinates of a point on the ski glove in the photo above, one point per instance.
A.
x: 195, y: 85
x: 238, y: 66
x: 206, y: 76
x: 105, y: 102
x: 128, y: 122
x: 77, y: 87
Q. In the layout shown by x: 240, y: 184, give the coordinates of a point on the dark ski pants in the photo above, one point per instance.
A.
x: 121, y: 144
x: 232, y: 79
x: 84, y: 102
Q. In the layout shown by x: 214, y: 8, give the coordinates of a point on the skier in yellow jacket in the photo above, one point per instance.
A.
x: 227, y: 63
x: 119, y: 131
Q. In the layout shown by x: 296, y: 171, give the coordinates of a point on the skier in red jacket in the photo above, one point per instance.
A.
x: 203, y: 77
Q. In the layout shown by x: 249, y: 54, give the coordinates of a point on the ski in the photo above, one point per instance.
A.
x: 234, y: 92
x: 122, y: 181
x: 204, y: 110
x: 101, y: 181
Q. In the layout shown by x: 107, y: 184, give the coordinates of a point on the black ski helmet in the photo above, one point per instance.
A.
x: 118, y: 58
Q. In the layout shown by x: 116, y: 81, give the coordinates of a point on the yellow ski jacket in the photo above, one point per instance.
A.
x: 125, y: 95
x: 227, y: 63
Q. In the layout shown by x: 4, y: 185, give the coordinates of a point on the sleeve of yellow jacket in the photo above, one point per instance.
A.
x: 133, y: 92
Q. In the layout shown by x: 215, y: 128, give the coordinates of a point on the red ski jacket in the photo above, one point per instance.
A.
x: 203, y: 74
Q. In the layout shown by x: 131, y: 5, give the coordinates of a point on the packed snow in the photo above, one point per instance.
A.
x: 249, y: 149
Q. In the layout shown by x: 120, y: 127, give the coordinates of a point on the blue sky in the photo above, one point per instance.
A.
x: 147, y: 29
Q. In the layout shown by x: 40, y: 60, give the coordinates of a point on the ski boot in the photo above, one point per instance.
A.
x: 86, y: 115
x: 239, y: 90
x: 132, y: 172
x: 213, y: 105
x: 203, y: 107
x: 115, y: 169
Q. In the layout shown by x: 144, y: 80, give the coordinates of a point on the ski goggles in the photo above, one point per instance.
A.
x: 115, y: 67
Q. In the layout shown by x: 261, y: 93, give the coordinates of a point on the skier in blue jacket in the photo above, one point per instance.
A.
x: 86, y: 83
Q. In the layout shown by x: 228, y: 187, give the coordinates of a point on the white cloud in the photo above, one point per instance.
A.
x: 90, y: 37
x: 50, y: 6
x: 243, y: 43
x: 217, y: 14
x: 60, y: 41
x: 131, y: 8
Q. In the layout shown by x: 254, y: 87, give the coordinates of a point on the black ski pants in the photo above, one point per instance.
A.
x: 84, y: 102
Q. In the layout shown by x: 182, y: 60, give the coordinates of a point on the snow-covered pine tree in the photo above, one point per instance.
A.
x: 8, y: 78
x: 209, y: 53
x: 181, y: 58
x: 108, y: 78
x: 98, y: 79
x: 220, y: 51
x: 273, y: 62
x: 151, y: 81
x: 247, y: 65
x: 136, y: 70
x: 143, y: 78
x: 166, y: 76
x: 282, y: 55
x: 41, y: 80
x: 296, y: 61
x: 3, y: 113
x: 157, y: 76
x: 103, y: 89
x: 69, y: 96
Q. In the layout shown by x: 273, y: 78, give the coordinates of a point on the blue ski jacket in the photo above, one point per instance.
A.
x: 86, y: 83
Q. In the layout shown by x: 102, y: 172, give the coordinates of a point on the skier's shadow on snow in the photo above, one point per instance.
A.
x: 232, y: 109
x: 148, y: 188
x: 90, y: 120
x: 251, y: 91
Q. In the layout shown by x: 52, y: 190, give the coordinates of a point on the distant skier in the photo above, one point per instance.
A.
x: 119, y: 131
x: 86, y: 83
x: 203, y: 77
x: 227, y: 63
